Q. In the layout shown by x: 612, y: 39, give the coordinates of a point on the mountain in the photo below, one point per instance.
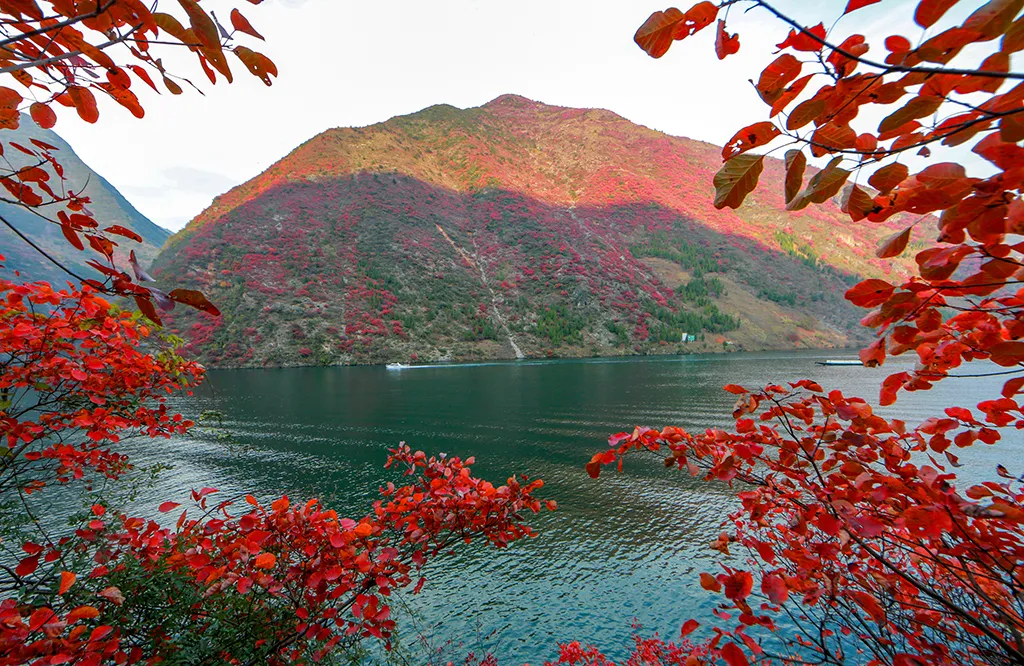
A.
x: 107, y: 205
x: 514, y: 228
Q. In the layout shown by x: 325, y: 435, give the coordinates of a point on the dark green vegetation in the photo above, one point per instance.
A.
x: 474, y: 234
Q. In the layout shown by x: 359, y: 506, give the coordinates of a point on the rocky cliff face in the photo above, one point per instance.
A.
x: 107, y: 204
x: 515, y: 228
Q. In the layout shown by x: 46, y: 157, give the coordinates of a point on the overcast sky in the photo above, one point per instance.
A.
x: 348, y: 63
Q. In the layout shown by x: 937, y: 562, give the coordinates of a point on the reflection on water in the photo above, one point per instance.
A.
x: 627, y: 546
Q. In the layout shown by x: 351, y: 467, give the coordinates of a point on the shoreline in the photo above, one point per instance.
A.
x: 543, y: 360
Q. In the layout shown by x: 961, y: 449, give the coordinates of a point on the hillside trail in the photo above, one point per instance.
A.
x: 496, y: 298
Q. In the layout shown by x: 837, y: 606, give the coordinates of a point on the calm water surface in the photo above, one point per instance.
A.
x: 626, y: 547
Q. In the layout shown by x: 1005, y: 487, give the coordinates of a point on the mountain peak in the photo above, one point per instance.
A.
x: 512, y: 101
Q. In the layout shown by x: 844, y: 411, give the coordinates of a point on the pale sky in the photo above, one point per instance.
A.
x: 357, y: 63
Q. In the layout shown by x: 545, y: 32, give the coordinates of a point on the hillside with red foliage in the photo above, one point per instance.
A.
x: 515, y: 227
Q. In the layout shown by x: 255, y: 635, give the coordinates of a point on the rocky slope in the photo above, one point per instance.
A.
x: 515, y: 228
x: 108, y: 206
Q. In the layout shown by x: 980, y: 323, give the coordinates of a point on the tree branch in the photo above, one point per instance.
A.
x: 885, y: 66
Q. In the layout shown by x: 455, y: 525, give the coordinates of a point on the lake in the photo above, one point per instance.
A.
x: 628, y: 546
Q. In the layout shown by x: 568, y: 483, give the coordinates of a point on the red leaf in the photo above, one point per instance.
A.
x: 894, y: 245
x: 656, y: 34
x: 69, y: 233
x: 725, y: 44
x: 82, y: 613
x: 735, y: 388
x: 43, y: 115
x: 870, y: 293
x: 856, y: 202
x: 843, y: 57
x: 168, y: 506
x: 67, y: 579
x: 733, y: 655
x: 1013, y: 387
x: 101, y: 245
x: 9, y: 99
x: 874, y: 354
x: 265, y: 561
x: 710, y: 583
x: 39, y: 144
x: 832, y: 137
x: 897, y: 44
x: 803, y: 40
x: 698, y: 17
x: 993, y: 18
x: 194, y: 299
x: 930, y: 11
x: 736, y: 179
x: 146, y: 307
x: 870, y: 605
x: 27, y: 566
x: 85, y: 103
x: 790, y: 94
x: 898, y: 123
x: 888, y: 177
x: 854, y: 5
x: 796, y: 163
x: 144, y: 75
x: 775, y: 588
x: 113, y: 595
x: 123, y: 231
x: 40, y: 617
x: 776, y: 76
x: 688, y: 627
x: 752, y: 136
x: 1007, y: 354
x: 241, y: 24
x: 738, y: 585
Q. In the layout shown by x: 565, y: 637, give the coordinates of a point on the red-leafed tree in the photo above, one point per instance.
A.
x: 254, y: 584
x: 857, y: 543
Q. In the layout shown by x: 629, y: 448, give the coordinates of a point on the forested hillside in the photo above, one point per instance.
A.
x: 515, y: 228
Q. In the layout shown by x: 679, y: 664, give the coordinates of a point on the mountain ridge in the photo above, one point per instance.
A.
x: 223, y: 203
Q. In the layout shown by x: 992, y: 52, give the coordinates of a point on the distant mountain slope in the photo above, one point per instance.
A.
x: 108, y: 206
x: 512, y: 228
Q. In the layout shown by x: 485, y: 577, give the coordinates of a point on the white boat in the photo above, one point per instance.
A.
x: 397, y: 366
x: 841, y: 361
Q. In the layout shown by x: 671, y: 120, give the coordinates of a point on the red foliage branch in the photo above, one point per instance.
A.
x: 323, y: 579
x: 853, y: 516
x: 278, y: 584
x: 854, y: 527
x: 74, y: 374
x: 66, y: 55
